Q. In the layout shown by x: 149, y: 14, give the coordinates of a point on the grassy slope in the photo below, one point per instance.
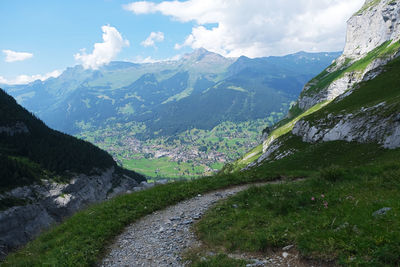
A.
x: 384, y: 88
x: 163, y: 168
x: 324, y: 79
x: 338, y: 225
x: 256, y: 152
x: 367, y: 96
x: 82, y: 239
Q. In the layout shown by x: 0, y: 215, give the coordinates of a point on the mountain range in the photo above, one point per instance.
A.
x: 163, y: 103
x: 335, y: 155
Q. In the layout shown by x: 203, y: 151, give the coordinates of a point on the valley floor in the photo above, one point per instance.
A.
x: 190, y: 154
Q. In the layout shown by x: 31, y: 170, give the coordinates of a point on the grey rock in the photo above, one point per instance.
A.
x: 363, y: 126
x: 379, y: 23
x: 257, y: 263
x: 341, y: 227
x: 365, y: 31
x: 187, y: 222
x: 381, y: 211
x: 161, y: 182
x: 287, y: 248
x: 146, y: 185
x: 197, y: 217
x: 51, y: 203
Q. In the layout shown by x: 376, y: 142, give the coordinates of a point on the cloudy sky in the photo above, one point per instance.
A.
x: 40, y: 38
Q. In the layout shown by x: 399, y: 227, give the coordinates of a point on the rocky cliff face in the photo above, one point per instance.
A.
x: 367, y: 116
x: 377, y: 22
x: 51, y: 202
x: 365, y: 125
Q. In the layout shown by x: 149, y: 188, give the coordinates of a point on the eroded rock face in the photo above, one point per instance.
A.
x: 371, y: 27
x: 364, y: 126
x: 52, y: 202
x: 376, y: 23
x: 366, y: 30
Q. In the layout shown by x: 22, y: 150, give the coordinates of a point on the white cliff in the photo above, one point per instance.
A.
x: 376, y: 23
x: 372, y: 41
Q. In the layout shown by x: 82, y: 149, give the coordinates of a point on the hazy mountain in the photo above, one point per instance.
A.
x: 198, y: 91
x: 145, y: 107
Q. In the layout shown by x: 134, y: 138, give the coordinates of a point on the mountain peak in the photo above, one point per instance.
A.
x: 201, y: 53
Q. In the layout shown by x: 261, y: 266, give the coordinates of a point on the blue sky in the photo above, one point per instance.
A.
x: 51, y: 32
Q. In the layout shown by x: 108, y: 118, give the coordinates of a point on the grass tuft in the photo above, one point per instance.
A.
x: 332, y: 173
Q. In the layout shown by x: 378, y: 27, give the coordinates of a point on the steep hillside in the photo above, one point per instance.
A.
x: 178, y: 118
x: 26, y: 137
x: 343, y: 138
x: 356, y: 98
x: 47, y: 175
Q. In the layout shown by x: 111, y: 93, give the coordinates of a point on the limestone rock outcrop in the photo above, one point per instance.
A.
x: 51, y: 202
x: 377, y: 22
x: 363, y: 126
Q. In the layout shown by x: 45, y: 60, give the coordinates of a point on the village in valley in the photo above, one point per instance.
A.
x: 192, y: 153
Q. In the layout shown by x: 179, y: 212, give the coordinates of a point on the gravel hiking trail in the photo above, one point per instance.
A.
x: 160, y: 238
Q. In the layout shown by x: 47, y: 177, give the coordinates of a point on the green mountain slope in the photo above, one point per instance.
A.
x: 336, y: 155
x: 343, y: 136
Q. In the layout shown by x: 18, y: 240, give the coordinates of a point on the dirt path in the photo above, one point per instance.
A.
x: 161, y: 237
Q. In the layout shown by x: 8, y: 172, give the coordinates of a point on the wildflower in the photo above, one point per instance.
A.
x: 322, y: 195
x: 313, y: 198
x: 325, y: 204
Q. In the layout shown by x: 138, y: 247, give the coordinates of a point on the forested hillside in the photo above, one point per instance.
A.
x: 31, y: 151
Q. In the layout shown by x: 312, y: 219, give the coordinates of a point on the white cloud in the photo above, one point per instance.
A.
x: 103, y: 52
x: 12, y: 56
x: 141, y: 7
x: 153, y: 38
x: 257, y: 27
x: 24, y: 79
x: 140, y: 59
